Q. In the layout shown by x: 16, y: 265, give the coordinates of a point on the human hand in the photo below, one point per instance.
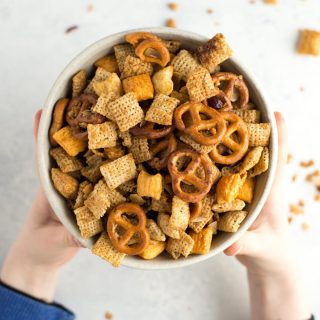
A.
x: 41, y: 248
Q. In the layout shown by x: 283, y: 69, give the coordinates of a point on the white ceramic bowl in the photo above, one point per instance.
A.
x: 85, y: 60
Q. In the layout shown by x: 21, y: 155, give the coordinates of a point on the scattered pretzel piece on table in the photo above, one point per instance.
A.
x: 118, y: 217
x: 188, y: 175
x: 206, y: 131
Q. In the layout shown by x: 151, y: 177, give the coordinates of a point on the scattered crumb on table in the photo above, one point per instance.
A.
x: 301, y: 203
x: 71, y: 28
x: 295, y: 209
x: 209, y: 11
x: 173, y: 6
x: 108, y: 315
x: 294, y: 177
x: 306, y: 164
x: 90, y: 7
x: 171, y: 23
x: 289, y: 158
x: 305, y: 226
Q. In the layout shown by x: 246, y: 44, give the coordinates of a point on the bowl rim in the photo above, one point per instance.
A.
x: 44, y: 175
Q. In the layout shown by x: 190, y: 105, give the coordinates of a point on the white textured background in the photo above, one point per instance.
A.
x: 34, y: 48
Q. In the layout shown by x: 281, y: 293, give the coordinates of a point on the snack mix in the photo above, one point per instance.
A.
x: 160, y: 150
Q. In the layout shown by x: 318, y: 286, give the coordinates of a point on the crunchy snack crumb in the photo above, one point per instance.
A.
x: 171, y: 23
x: 173, y: 6
x: 108, y: 315
x: 290, y: 220
x: 311, y: 176
x: 317, y: 197
x: 295, y: 209
x: 209, y: 11
x: 305, y: 226
x: 301, y: 203
x: 294, y: 178
x: 309, y: 42
x: 270, y: 1
x: 306, y: 164
x: 90, y: 7
x: 71, y: 28
x: 289, y: 158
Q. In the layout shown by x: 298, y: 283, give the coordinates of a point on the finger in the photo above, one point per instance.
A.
x: 36, y: 124
x: 247, y: 245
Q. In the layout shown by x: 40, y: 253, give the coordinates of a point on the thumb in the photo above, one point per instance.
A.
x: 247, y: 245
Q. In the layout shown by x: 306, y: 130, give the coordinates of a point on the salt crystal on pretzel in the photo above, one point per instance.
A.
x: 162, y: 81
x: 64, y: 183
x: 195, y: 145
x: 65, y: 162
x: 153, y: 249
x: 140, y: 150
x: 102, y: 105
x: 149, y: 185
x: 122, y: 51
x: 247, y: 191
x: 163, y: 223
x: 200, y: 85
x: 214, y: 52
x: 231, y: 221
x: 133, y: 66
x: 180, y: 214
x: 112, y: 84
x: 85, y: 188
x: 172, y: 45
x: 154, y: 230
x: 127, y: 187
x: 161, y: 109
x: 126, y: 138
x: 161, y: 205
x: 182, y: 246
x: 105, y: 250
x: 102, y: 135
x: 100, y: 75
x: 183, y: 63
x: 309, y: 42
x: 235, y: 205
x: 126, y: 111
x: 68, y: 142
x: 79, y: 81
x: 262, y: 166
x: 109, y: 63
x: 248, y: 116
x: 98, y: 201
x: 259, y: 134
x: 88, y: 224
x: 141, y: 85
x: 202, y: 241
x: 119, y: 171
x: 206, y: 214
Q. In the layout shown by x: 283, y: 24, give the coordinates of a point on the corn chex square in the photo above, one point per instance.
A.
x: 102, y: 135
x: 122, y: 51
x: 134, y: 66
x: 182, y: 246
x: 119, y: 171
x: 183, y: 63
x: 140, y: 149
x: 161, y: 109
x: 65, y: 162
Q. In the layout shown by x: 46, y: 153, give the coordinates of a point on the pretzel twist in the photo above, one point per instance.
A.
x: 204, y: 131
x: 235, y: 142
x: 149, y: 132
x: 188, y: 175
x: 116, y: 219
x: 135, y: 38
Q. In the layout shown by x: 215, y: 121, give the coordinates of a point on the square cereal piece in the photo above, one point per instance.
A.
x: 202, y: 241
x: 262, y: 166
x: 68, y: 142
x: 79, y: 82
x: 309, y: 42
x: 259, y: 134
x: 235, y: 205
x: 126, y: 111
x: 127, y: 187
x: 98, y: 200
x: 231, y: 221
x: 135, y: 198
x: 180, y: 215
x: 140, y: 85
x: 65, y: 162
x: 115, y: 197
x: 112, y: 84
x: 102, y: 105
x: 88, y: 224
x: 102, y: 135
x: 149, y: 185
x: 206, y: 214
x: 126, y: 138
x: 163, y: 223
x: 153, y: 249
x: 100, y: 75
x: 92, y: 170
x: 85, y: 188
x: 182, y: 246
x: 122, y: 51
x: 104, y: 249
x: 162, y: 205
x: 154, y: 231
x: 140, y: 149
x: 200, y: 85
x: 134, y: 66
x: 119, y: 171
x: 214, y: 52
x: 249, y: 116
x: 196, y: 146
x: 108, y: 63
x: 64, y: 183
x: 161, y: 109
x: 246, y: 192
x: 183, y: 63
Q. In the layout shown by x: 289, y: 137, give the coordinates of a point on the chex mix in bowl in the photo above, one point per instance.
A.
x: 159, y: 150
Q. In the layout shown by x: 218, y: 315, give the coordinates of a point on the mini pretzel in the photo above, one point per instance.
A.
x: 195, y: 210
x: 148, y: 131
x: 189, y: 176
x: 158, y: 46
x: 228, y: 82
x: 79, y: 115
x: 135, y: 38
x: 219, y: 102
x: 213, y: 124
x: 161, y: 151
x: 57, y: 118
x: 237, y: 146
x: 117, y: 219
